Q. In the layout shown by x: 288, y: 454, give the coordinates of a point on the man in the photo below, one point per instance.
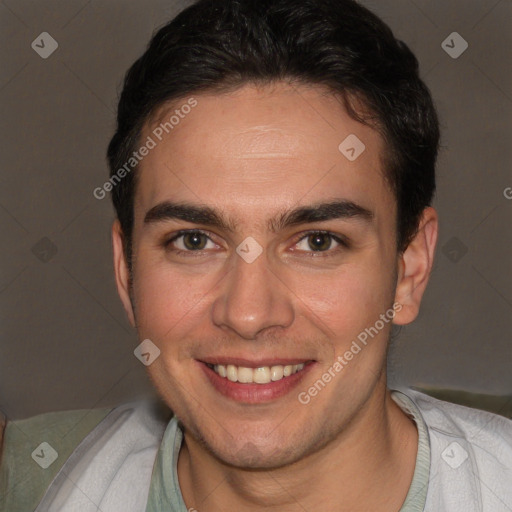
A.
x: 272, y: 173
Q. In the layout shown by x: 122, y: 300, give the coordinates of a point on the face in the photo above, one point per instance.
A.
x: 261, y: 250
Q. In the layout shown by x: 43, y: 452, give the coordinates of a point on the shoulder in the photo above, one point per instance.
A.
x: 470, y: 454
x: 113, y: 465
x: 476, y: 425
x: 36, y: 448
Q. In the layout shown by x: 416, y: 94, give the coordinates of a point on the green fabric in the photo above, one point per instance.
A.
x: 22, y: 481
x: 417, y: 494
x: 164, y: 490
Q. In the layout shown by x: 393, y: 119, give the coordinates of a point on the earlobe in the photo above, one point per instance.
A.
x: 122, y: 271
x: 415, y: 265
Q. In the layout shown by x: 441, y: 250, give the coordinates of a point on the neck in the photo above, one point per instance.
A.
x: 368, y: 466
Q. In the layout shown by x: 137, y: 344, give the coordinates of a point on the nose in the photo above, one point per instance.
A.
x: 252, y: 299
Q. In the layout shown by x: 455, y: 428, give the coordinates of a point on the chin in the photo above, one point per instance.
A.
x: 252, y: 457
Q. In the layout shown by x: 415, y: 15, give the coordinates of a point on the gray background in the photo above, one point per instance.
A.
x: 65, y: 342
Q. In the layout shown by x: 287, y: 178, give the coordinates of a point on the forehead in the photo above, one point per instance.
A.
x: 260, y: 146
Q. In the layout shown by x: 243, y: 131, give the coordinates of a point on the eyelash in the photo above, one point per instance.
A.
x: 344, y: 244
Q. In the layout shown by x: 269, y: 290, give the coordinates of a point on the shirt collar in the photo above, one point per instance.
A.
x: 165, y: 492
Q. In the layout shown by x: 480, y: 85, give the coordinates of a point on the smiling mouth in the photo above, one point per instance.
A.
x: 261, y: 375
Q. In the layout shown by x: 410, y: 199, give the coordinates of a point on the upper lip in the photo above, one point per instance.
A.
x: 253, y: 363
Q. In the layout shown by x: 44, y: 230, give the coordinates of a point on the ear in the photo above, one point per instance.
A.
x: 121, y: 271
x: 414, y: 267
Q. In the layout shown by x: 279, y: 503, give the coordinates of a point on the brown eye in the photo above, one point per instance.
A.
x: 189, y: 241
x: 194, y: 241
x: 319, y: 241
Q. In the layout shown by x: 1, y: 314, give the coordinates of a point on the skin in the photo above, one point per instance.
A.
x: 252, y: 154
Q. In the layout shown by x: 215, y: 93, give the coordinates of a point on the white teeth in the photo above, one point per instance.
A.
x: 232, y: 373
x: 245, y: 375
x: 276, y: 372
x: 261, y: 375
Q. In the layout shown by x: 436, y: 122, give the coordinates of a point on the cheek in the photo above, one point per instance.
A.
x: 168, y: 302
x: 344, y: 303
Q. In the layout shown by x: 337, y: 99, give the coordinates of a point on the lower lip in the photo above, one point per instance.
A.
x: 255, y: 393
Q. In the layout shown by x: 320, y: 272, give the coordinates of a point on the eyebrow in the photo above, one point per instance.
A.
x: 320, y: 212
